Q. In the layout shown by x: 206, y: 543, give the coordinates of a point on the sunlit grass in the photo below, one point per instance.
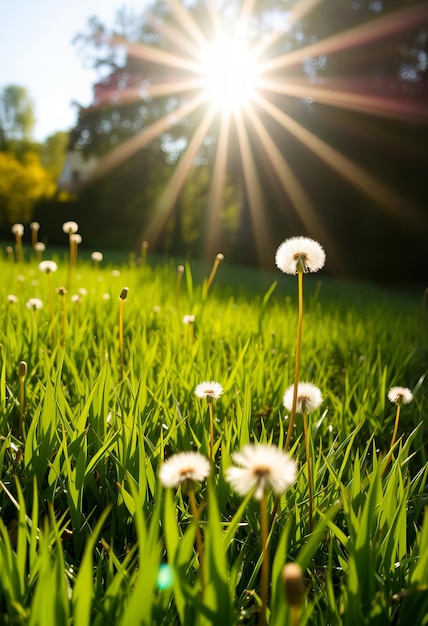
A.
x: 85, y: 522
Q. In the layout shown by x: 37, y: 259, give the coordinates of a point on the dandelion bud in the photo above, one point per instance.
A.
x: 294, y: 587
x: 22, y: 369
x: 124, y: 293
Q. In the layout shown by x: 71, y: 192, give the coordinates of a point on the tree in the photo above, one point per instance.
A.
x: 22, y: 184
x: 16, y: 116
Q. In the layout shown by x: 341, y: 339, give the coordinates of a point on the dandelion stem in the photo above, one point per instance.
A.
x: 219, y: 258
x: 199, y: 548
x: 121, y: 337
x: 265, y: 559
x: 22, y: 372
x: 394, y: 436
x: 294, y: 616
x: 297, y: 366
x: 308, y: 465
x: 210, y: 404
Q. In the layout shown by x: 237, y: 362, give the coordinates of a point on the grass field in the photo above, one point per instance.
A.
x: 97, y: 391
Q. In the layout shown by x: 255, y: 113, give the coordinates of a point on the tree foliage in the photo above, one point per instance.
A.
x: 16, y: 115
x: 22, y: 185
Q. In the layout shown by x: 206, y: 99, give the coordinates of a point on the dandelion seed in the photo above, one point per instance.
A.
x: 263, y: 467
x: 209, y: 390
x: 299, y: 254
x: 309, y: 398
x: 184, y: 467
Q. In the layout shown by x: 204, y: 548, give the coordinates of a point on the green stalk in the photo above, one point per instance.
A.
x: 308, y: 464
x: 265, y: 560
x: 22, y: 370
x: 394, y: 436
x: 297, y: 366
x: 210, y: 404
x: 199, y: 547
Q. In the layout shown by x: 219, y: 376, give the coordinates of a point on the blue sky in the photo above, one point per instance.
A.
x: 37, y: 53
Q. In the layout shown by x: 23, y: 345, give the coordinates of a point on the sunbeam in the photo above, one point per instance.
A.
x: 294, y: 190
x: 121, y: 153
x: 169, y: 196
x: 392, y: 202
x: 217, y: 189
x: 254, y: 196
x: 373, y: 31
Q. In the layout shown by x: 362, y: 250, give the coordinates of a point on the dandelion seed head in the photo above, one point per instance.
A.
x: 263, y: 467
x: 39, y: 246
x: 400, y: 395
x: 48, y: 266
x: 18, y: 229
x: 309, y: 398
x: 184, y: 467
x: 188, y: 319
x: 209, y: 390
x: 70, y: 227
x: 12, y: 299
x: 76, y: 238
x: 34, y: 304
x: 299, y: 254
x: 97, y: 256
x: 35, y: 226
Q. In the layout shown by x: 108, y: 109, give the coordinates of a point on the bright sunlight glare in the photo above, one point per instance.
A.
x: 229, y: 74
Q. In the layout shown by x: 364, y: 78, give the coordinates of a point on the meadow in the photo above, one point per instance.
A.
x: 97, y: 391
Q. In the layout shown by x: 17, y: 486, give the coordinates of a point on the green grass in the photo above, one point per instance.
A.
x: 85, y: 523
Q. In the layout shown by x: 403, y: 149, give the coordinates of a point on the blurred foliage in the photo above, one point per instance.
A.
x: 22, y: 184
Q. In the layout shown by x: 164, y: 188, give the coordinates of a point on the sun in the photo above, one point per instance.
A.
x: 228, y: 74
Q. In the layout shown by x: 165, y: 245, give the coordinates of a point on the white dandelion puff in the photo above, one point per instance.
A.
x: 209, y: 390
x: 309, y: 398
x: 184, y: 467
x: 400, y: 395
x: 263, y: 467
x: 299, y: 254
